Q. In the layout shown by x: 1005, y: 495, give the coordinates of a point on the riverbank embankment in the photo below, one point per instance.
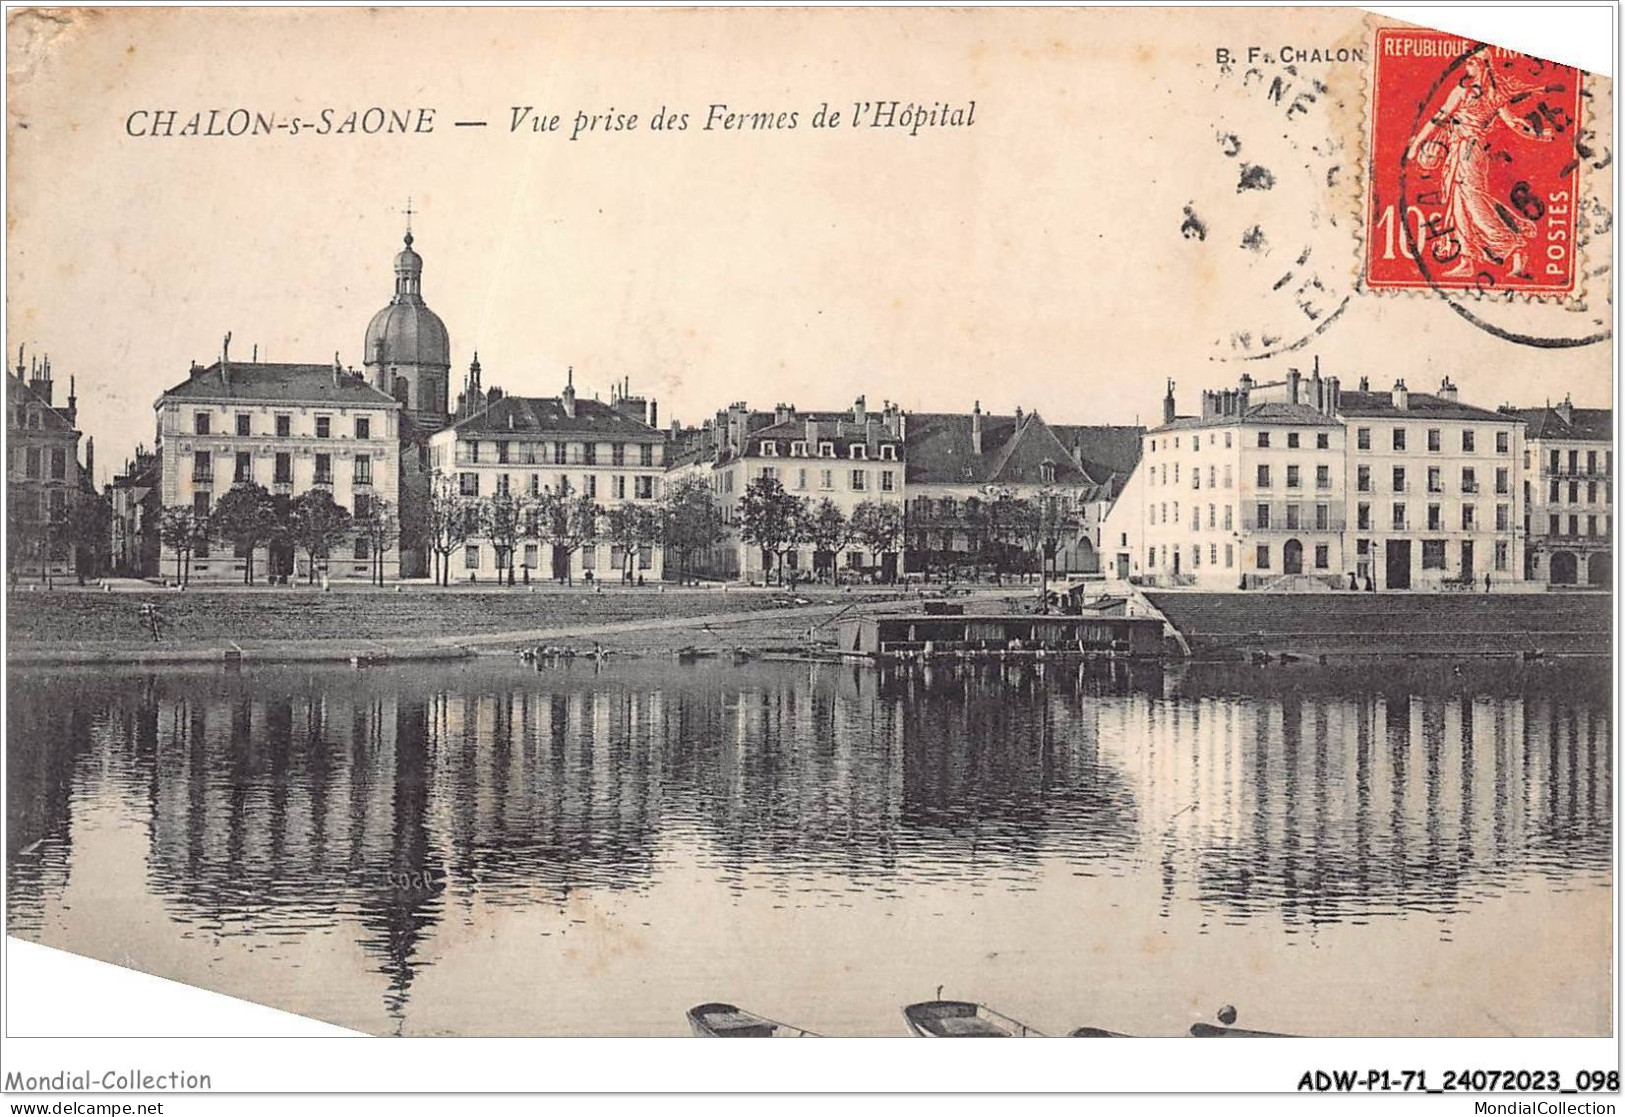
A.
x: 1221, y: 625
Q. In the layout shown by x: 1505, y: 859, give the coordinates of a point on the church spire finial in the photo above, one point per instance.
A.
x: 409, y: 212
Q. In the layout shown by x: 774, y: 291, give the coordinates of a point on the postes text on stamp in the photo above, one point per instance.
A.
x: 1474, y: 174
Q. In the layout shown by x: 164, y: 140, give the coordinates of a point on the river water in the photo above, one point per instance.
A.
x: 485, y: 848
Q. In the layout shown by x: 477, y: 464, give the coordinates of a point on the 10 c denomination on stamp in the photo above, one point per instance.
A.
x: 1474, y: 174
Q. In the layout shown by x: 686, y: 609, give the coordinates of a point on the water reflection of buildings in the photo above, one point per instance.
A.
x: 282, y: 803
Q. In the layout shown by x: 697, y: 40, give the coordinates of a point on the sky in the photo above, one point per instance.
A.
x: 1044, y: 256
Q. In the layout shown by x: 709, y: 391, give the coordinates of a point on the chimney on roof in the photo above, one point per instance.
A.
x: 1401, y: 396
x: 1566, y: 408
x: 567, y: 398
x: 976, y: 428
x: 73, y: 401
x: 1365, y: 383
x: 1334, y: 394
x: 860, y: 412
x: 782, y: 413
x: 1294, y: 386
x: 1168, y: 402
x: 90, y: 460
x: 1447, y: 390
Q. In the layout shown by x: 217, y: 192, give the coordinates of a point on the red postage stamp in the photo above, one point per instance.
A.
x: 1474, y: 171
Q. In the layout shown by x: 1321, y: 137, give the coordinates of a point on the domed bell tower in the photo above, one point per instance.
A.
x: 408, y: 351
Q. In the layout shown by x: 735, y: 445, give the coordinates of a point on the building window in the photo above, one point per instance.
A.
x: 471, y: 557
x: 589, y: 485
x: 888, y: 481
x: 1263, y: 476
x: 860, y: 480
x: 1554, y: 525
x: 1501, y: 557
x: 1263, y: 440
x: 1468, y: 442
x: 244, y: 470
x: 1399, y: 478
x: 200, y: 504
x: 560, y: 453
x: 468, y: 484
x: 1323, y: 441
x: 1323, y: 517
x: 1503, y: 442
x: 284, y: 426
x: 1399, y: 516
x: 200, y: 422
x: 1362, y: 438
x: 1263, y: 556
x: 1362, y: 517
x: 202, y: 468
x: 1292, y: 440
x: 363, y: 505
x: 1323, y: 556
x: 646, y: 454
x: 1435, y: 517
x: 59, y: 465
x: 363, y: 426
x: 888, y: 453
x: 324, y: 469
x: 857, y: 451
x: 1574, y: 492
x: 1323, y: 476
x: 1227, y: 446
x: 643, y: 488
x: 1433, y: 554
x: 1229, y: 556
x: 363, y: 469
x: 31, y: 460
x: 1227, y: 517
x: 1503, y: 481
x: 1469, y: 480
x: 1469, y: 516
x: 245, y: 424
x: 1435, y: 440
x: 324, y: 426
x: 1399, y: 438
x: 1503, y: 517
x: 617, y: 453
x: 589, y: 557
x: 284, y: 469
x: 362, y: 551
x: 1292, y: 517
x: 1362, y: 478
x: 1591, y: 524
x: 768, y: 449
x: 1591, y: 487
x: 1264, y: 517
x: 1293, y: 479
x: 826, y: 449
x: 618, y: 487
x: 1574, y: 525
x: 826, y: 478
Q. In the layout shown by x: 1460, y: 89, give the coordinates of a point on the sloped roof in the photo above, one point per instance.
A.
x: 940, y: 450
x: 1270, y: 413
x: 17, y: 388
x: 1422, y: 405
x: 262, y: 382
x: 1584, y: 424
x: 531, y: 415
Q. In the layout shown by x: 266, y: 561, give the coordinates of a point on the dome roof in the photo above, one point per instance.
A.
x: 407, y: 332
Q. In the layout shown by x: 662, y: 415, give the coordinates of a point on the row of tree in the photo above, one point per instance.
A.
x: 686, y: 521
x: 82, y: 524
x: 778, y: 522
x: 249, y: 516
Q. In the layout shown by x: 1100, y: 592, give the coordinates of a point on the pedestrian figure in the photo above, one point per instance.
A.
x: 1486, y: 581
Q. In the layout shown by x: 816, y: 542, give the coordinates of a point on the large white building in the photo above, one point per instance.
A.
x: 526, y: 446
x: 289, y: 428
x: 1299, y: 479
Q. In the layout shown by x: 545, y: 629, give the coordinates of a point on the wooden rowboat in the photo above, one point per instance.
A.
x: 725, y: 1021
x: 962, y: 1019
x: 1218, y: 1031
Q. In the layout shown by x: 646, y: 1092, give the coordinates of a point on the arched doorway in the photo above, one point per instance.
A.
x: 1292, y: 557
x: 1597, y: 569
x: 1565, y: 569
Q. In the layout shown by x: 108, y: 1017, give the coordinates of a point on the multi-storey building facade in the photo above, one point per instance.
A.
x: 1568, y: 491
x: 43, y: 473
x: 961, y: 464
x: 846, y: 457
x: 1245, y: 494
x: 289, y: 428
x: 1379, y: 490
x: 525, y: 446
x: 1436, y: 487
x: 136, y: 499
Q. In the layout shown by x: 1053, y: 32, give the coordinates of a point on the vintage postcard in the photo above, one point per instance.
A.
x: 815, y: 522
